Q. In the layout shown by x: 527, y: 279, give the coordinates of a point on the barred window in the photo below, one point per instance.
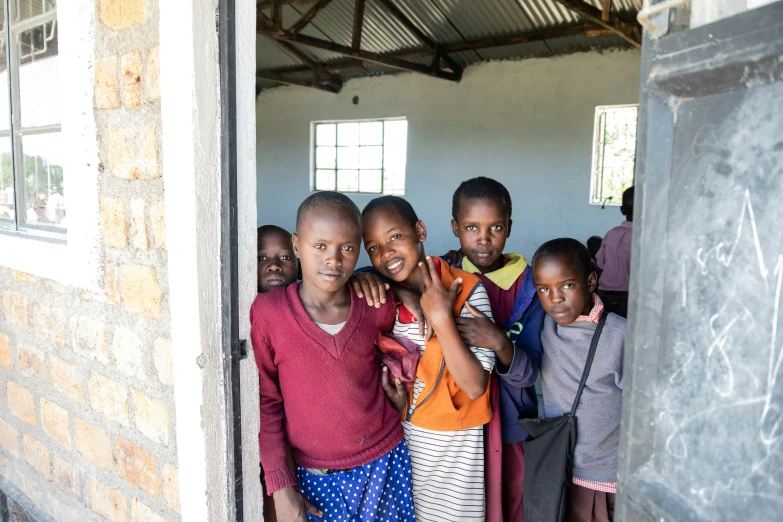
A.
x: 32, y: 182
x: 365, y: 156
x: 614, y: 153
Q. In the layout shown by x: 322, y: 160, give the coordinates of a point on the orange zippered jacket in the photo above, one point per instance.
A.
x: 442, y: 405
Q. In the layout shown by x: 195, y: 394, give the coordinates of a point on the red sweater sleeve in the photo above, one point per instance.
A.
x: 271, y: 438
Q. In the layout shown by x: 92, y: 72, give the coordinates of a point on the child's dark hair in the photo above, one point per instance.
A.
x: 272, y: 229
x: 594, y: 245
x: 326, y: 199
x: 403, y: 208
x: 568, y: 250
x: 627, y: 207
x: 481, y: 188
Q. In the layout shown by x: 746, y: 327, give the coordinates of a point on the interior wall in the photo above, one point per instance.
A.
x: 528, y: 124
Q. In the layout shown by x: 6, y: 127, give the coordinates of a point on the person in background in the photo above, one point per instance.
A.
x: 566, y: 284
x: 614, y: 260
x: 321, y: 390
x: 481, y: 211
x: 593, y: 246
x: 446, y: 413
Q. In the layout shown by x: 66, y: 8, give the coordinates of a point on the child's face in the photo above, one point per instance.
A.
x: 564, y: 293
x: 482, y: 227
x: 327, y: 245
x: 395, y: 247
x: 277, y: 265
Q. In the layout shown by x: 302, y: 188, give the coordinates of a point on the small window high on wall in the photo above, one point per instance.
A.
x: 32, y: 196
x: 614, y: 153
x: 366, y: 157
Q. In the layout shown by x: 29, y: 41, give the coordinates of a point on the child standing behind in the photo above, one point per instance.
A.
x: 566, y: 286
x: 445, y: 418
x: 277, y: 264
x: 277, y: 267
x: 320, y: 386
x: 481, y: 209
x: 614, y: 260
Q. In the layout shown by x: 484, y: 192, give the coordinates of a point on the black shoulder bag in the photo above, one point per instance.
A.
x: 549, y: 454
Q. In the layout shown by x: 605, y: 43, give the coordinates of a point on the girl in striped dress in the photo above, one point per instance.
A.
x: 449, y: 406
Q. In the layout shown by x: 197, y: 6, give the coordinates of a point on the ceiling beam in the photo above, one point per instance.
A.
x: 630, y: 32
x: 606, y: 11
x: 397, y: 13
x: 589, y: 30
x: 277, y: 13
x: 311, y: 13
x: 269, y: 4
x: 330, y: 86
x: 365, y: 56
x: 358, y: 24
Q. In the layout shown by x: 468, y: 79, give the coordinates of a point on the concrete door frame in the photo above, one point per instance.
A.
x: 192, y: 106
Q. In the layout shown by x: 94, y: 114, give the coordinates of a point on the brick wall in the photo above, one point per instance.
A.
x: 86, y: 388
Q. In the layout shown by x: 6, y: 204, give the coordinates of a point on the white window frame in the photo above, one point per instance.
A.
x: 74, y: 259
x: 594, y: 175
x: 313, y: 146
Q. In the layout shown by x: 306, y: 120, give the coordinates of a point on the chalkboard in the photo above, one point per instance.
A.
x: 703, y: 408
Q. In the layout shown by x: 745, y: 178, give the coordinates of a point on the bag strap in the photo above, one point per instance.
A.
x: 589, y: 363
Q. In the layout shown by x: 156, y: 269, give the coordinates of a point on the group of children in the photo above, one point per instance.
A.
x: 346, y: 437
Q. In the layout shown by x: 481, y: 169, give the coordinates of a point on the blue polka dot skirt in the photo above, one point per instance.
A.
x: 379, y: 491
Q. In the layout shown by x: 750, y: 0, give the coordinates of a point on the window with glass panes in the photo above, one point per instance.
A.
x: 614, y: 153
x: 32, y: 197
x: 361, y: 156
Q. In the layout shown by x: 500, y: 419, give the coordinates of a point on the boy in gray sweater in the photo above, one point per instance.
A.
x: 566, y: 284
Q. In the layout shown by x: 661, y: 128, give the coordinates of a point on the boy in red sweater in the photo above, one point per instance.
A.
x: 320, y: 387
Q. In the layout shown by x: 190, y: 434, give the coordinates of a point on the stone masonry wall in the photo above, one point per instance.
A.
x: 86, y: 389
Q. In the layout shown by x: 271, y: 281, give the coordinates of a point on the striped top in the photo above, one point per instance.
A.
x: 448, y: 466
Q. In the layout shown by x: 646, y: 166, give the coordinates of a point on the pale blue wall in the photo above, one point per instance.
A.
x: 528, y: 124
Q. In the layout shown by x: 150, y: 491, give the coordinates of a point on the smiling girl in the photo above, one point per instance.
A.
x: 445, y: 417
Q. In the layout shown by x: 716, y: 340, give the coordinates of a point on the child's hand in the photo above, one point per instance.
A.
x: 412, y: 301
x: 291, y: 506
x: 371, y: 287
x: 454, y: 257
x: 397, y: 394
x: 481, y: 331
x: 437, y: 301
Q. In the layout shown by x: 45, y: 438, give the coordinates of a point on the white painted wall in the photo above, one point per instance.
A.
x: 528, y: 124
x: 190, y: 95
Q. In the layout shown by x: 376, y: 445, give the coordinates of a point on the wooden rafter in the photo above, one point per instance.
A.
x: 629, y: 32
x: 358, y: 24
x: 291, y: 48
x: 606, y: 12
x: 589, y: 30
x: 426, y: 40
x: 332, y: 86
x: 277, y: 13
x: 311, y: 13
x: 268, y: 4
x: 365, y: 56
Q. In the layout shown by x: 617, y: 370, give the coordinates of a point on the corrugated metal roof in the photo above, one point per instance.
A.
x: 547, y: 13
x: 445, y: 22
x: 486, y: 18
